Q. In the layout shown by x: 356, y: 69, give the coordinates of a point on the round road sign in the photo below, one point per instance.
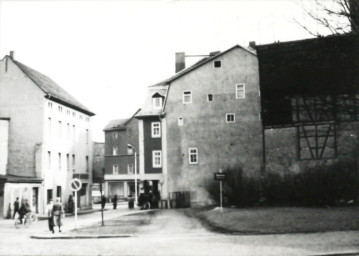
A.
x: 75, y: 184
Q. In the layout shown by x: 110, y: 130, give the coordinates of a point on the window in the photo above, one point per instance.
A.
x: 49, y: 159
x: 180, y: 121
x: 156, y: 159
x: 240, y: 91
x: 130, y: 168
x: 217, y: 64
x: 80, y: 117
x: 230, y: 118
x: 73, y: 132
x: 67, y: 162
x: 98, y: 158
x: 129, y: 150
x: 68, y: 131
x: 187, y: 97
x: 157, y: 102
x: 58, y: 191
x: 210, y: 97
x: 60, y: 109
x: 73, y: 114
x: 60, y: 161
x: 115, y: 169
x: 73, y: 162
x: 156, y: 129
x: 68, y: 112
x: 115, y: 151
x: 49, y: 125
x: 193, y: 156
x: 87, y: 164
x: 60, y: 129
x: 87, y: 136
x: 115, y: 135
x: 49, y: 104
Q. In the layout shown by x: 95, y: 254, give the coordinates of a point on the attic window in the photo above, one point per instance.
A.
x: 217, y: 63
x: 157, y: 102
x: 209, y: 97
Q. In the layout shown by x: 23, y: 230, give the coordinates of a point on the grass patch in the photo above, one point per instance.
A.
x: 279, y: 220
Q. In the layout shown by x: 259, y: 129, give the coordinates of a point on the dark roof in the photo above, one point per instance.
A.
x: 200, y: 63
x: 119, y: 124
x: 52, y: 90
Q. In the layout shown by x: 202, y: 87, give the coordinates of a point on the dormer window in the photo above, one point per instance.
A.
x: 217, y: 64
x: 157, y: 101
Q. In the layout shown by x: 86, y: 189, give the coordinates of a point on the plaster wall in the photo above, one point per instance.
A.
x: 220, y: 144
x: 4, y: 143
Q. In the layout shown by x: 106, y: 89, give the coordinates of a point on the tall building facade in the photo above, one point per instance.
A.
x: 49, y: 139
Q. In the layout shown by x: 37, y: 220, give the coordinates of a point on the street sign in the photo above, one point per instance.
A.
x: 75, y: 184
x: 220, y: 176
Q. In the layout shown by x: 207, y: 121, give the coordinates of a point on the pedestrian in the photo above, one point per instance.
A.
x: 22, y: 211
x: 103, y: 201
x: 71, y: 204
x: 50, y: 217
x: 16, y: 207
x: 115, y: 202
x: 58, y: 213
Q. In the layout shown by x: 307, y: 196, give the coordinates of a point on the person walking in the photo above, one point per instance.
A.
x: 58, y: 213
x: 16, y: 207
x: 115, y: 202
x: 71, y: 204
x: 103, y: 202
x: 22, y: 210
x: 49, y: 208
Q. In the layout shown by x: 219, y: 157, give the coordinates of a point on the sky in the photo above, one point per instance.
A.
x: 106, y: 53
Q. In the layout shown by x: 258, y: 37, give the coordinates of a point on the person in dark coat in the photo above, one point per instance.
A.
x: 103, y: 201
x: 22, y: 211
x: 16, y: 207
x: 115, y: 202
x: 71, y: 204
x: 50, y: 216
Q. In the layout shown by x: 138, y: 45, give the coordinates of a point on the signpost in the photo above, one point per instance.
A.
x: 75, y: 185
x: 221, y: 177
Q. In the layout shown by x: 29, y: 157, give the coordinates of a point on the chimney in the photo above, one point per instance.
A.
x: 180, y: 61
x: 12, y: 55
x: 252, y: 44
x: 214, y: 53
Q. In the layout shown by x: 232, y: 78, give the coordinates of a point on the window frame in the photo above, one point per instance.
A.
x: 184, y: 96
x: 180, y: 121
x: 160, y: 102
x: 115, y: 169
x: 243, y: 89
x: 217, y: 61
x: 154, y: 156
x: 230, y: 114
x: 191, y: 153
x: 115, y: 134
x: 208, y: 97
x: 115, y: 150
x: 153, y: 129
x: 129, y: 166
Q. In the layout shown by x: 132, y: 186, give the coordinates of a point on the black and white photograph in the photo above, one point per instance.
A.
x: 179, y: 127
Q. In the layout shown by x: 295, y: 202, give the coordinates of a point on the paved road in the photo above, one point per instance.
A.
x: 170, y: 232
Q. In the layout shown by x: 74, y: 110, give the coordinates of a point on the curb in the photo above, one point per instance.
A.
x: 67, y: 236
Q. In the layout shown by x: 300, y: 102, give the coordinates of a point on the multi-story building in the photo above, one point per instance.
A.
x: 121, y: 148
x: 49, y: 139
x: 203, y: 119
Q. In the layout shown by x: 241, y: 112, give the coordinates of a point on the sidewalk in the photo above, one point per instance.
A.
x: 85, y: 219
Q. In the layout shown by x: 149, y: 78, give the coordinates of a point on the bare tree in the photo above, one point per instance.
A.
x: 335, y: 16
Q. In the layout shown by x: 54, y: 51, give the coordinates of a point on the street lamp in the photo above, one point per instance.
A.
x: 131, y: 147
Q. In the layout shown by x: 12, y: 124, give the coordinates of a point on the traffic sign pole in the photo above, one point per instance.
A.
x: 220, y: 193
x: 75, y: 185
x: 76, y: 210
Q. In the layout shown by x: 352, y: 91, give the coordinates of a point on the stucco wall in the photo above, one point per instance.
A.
x: 23, y: 102
x: 4, y: 143
x: 220, y: 144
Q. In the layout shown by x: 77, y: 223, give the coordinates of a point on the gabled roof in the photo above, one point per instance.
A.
x: 119, y: 124
x: 52, y: 90
x: 201, y: 63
